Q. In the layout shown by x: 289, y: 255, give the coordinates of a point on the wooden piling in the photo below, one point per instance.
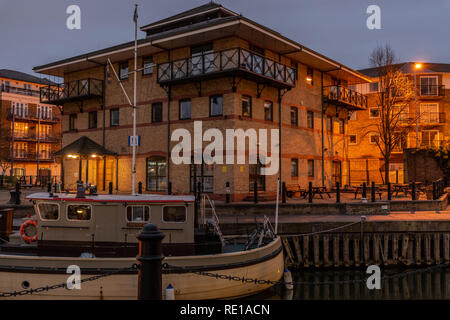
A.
x: 437, y: 248
x: 316, y: 251
x: 410, y: 258
x: 326, y: 255
x: 336, y: 259
x: 288, y: 250
x: 395, y: 248
x: 418, y: 248
x: 385, y: 251
x: 306, y: 251
x: 405, y: 288
x: 405, y: 244
x: 356, y: 250
x: 298, y: 251
x: 376, y: 248
x: 446, y: 247
x: 366, y: 246
x: 427, y: 240
x: 346, y: 249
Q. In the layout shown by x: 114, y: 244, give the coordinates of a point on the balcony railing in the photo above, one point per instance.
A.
x: 24, y: 136
x: 23, y: 155
x: 18, y: 90
x: 432, y: 90
x: 424, y: 118
x: 31, y: 115
x: 229, y: 61
x: 410, y: 142
x: 72, y: 91
x: 343, y: 96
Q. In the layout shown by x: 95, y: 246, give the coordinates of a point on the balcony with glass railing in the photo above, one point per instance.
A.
x: 234, y: 61
x: 77, y: 90
x: 342, y: 96
x: 31, y: 116
x: 431, y: 91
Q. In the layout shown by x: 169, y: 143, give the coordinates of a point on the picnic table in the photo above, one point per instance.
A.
x: 318, y: 191
x: 359, y: 189
x: 405, y: 188
x: 292, y: 189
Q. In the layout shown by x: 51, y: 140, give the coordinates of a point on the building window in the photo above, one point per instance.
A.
x: 255, y: 175
x: 147, y: 65
x: 114, y: 117
x: 311, y: 168
x: 123, y: 71
x: 247, y: 106
x: 48, y: 211
x: 373, y: 87
x: 352, y: 115
x: 215, y: 106
x: 268, y: 111
x: 429, y: 113
x: 294, y: 167
x: 79, y: 212
x: 138, y: 214
x: 310, y: 76
x: 73, y: 122
x: 203, y: 174
x: 374, y: 138
x: 341, y: 126
x: 329, y: 124
x: 185, y: 109
x: 20, y: 109
x: 310, y: 119
x: 93, y: 120
x: 429, y: 86
x: 352, y: 139
x: 44, y: 112
x: 157, y: 112
x: 156, y: 174
x: 374, y: 112
x: 294, y: 116
x: 174, y: 214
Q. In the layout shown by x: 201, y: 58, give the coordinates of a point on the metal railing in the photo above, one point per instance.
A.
x: 423, y: 118
x: 410, y: 142
x: 346, y: 96
x: 71, y: 90
x: 34, y: 156
x: 234, y: 59
x: 31, y: 115
x: 18, y: 90
x: 431, y: 90
x: 34, y: 137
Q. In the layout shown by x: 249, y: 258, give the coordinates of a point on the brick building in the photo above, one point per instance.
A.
x: 30, y: 130
x: 433, y: 118
x: 212, y: 65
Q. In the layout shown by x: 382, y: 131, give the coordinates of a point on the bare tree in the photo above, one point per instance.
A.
x: 395, y: 92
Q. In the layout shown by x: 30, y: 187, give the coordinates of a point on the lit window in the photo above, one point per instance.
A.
x: 268, y: 111
x: 246, y: 106
x: 138, y: 213
x: 310, y: 76
x: 80, y: 213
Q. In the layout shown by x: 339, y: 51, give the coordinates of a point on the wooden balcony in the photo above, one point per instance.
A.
x: 77, y: 90
x: 229, y: 62
x: 341, y: 96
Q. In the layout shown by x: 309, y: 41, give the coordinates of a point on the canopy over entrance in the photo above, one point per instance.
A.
x: 85, y: 147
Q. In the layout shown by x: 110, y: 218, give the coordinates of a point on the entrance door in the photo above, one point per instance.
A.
x: 337, y: 172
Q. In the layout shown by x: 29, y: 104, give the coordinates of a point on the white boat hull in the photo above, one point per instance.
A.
x: 269, y: 265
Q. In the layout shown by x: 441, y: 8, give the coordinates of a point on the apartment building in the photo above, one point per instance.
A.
x: 30, y: 130
x: 433, y: 117
x: 212, y: 65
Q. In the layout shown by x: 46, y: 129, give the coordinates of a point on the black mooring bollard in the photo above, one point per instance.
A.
x: 364, y: 191
x: 228, y: 193
x: 255, y: 192
x: 338, y: 192
x: 372, y: 191
x: 389, y: 191
x: 413, y: 191
x: 49, y: 187
x: 150, y: 257
x: 140, y: 188
x: 310, y: 193
x: 110, y: 188
x: 17, y: 199
x: 283, y: 192
x: 169, y: 188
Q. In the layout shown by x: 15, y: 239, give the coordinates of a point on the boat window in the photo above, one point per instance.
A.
x: 79, y: 212
x: 138, y: 213
x: 174, y: 214
x: 48, y: 211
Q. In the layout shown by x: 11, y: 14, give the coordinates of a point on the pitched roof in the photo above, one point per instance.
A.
x: 408, y: 67
x: 20, y: 76
x: 85, y: 147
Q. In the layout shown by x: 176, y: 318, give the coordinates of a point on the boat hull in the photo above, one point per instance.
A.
x: 266, y: 263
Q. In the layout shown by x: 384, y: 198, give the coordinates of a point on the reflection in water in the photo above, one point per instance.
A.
x: 432, y: 284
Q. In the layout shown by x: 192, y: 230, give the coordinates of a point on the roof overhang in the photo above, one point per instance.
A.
x: 97, y: 58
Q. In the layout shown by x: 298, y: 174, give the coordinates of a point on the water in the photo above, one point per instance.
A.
x: 433, y: 284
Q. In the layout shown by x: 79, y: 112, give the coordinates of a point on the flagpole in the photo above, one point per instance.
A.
x: 134, y: 140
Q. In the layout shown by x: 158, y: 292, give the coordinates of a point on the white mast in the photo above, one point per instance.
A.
x: 134, y: 140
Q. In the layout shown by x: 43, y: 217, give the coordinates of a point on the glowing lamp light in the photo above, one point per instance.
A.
x: 418, y: 66
x: 94, y: 156
x: 308, y: 79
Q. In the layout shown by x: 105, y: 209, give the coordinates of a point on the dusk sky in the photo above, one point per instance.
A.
x: 35, y: 33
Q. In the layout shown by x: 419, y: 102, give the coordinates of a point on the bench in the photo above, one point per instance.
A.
x: 292, y: 189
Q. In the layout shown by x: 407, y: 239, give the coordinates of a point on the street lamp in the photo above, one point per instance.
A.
x: 417, y: 66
